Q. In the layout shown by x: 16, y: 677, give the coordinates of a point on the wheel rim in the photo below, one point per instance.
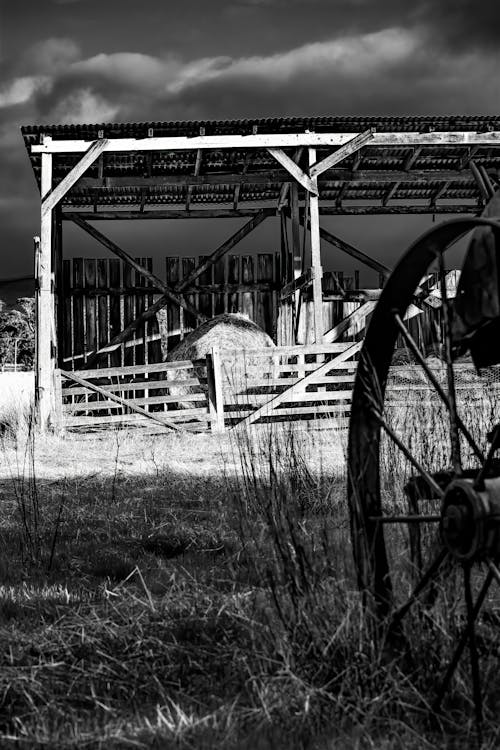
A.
x: 460, y: 504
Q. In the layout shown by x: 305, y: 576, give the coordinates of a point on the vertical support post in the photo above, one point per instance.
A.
x: 296, y: 248
x: 316, y: 269
x: 215, y: 395
x: 44, y: 378
x: 58, y: 286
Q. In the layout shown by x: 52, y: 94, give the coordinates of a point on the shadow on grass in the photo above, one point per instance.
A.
x: 200, y: 609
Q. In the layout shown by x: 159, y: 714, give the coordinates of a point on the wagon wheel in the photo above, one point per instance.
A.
x: 423, y: 483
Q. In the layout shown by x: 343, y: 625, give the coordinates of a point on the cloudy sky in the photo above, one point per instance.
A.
x: 111, y: 60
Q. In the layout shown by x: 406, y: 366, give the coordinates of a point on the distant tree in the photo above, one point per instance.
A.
x: 18, y: 324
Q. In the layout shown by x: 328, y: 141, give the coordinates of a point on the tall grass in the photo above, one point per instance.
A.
x: 203, y: 595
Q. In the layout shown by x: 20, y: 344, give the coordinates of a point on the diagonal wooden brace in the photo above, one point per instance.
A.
x: 225, y: 248
x: 297, y: 173
x: 155, y: 281
x: 169, y: 294
x: 122, y: 401
x: 342, y: 153
x: 299, y: 386
x: 52, y: 199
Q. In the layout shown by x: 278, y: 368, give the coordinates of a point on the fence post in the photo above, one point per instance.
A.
x: 57, y: 409
x: 215, y: 395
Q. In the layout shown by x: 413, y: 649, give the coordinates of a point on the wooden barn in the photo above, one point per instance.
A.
x: 98, y: 331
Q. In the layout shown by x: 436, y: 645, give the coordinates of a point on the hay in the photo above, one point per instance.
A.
x: 228, y: 331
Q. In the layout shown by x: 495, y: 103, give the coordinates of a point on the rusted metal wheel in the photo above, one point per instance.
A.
x: 423, y: 482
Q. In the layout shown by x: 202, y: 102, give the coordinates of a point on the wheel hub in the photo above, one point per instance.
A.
x: 470, y: 519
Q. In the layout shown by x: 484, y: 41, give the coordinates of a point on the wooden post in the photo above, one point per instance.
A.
x: 58, y: 287
x: 296, y: 250
x: 44, y: 378
x: 56, y: 420
x: 215, y: 394
x: 317, y: 271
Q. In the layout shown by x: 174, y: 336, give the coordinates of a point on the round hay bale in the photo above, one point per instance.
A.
x: 228, y: 331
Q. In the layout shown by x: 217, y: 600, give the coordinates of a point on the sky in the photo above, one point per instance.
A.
x: 70, y: 61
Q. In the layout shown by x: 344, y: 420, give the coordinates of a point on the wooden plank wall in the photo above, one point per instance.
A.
x: 333, y: 312
x: 236, y: 283
x: 101, y: 296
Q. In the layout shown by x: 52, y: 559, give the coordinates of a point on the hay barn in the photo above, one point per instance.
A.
x: 97, y: 324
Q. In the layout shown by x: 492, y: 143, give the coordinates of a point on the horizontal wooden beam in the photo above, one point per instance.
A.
x: 277, y: 176
x: 156, y: 215
x: 353, y: 295
x: 258, y: 286
x: 326, y: 210
x: 342, y: 153
x: 270, y: 140
x: 351, y: 210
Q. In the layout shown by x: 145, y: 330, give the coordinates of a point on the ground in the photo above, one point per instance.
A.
x: 198, y: 591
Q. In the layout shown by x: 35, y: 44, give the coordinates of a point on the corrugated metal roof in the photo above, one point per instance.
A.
x: 163, y: 177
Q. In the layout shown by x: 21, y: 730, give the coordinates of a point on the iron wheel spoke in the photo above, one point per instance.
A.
x: 413, y: 346
x: 426, y: 578
x: 408, y: 455
x: 464, y: 638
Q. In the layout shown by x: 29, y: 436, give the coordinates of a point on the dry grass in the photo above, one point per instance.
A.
x: 200, y: 593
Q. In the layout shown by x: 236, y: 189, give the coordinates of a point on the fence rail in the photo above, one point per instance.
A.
x: 236, y: 387
x: 226, y: 388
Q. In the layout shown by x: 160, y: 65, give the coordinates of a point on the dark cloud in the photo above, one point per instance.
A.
x: 234, y: 58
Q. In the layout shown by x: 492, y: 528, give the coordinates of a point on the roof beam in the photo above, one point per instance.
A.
x: 392, y: 190
x: 439, y: 193
x: 340, y: 195
x: 469, y: 154
x: 270, y: 140
x: 215, y: 213
x: 197, y: 167
x: 237, y: 187
x: 275, y: 176
x: 412, y: 158
x: 355, y: 144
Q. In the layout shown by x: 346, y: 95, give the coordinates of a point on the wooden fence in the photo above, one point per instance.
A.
x: 233, y: 388
x: 228, y: 388
x: 137, y: 394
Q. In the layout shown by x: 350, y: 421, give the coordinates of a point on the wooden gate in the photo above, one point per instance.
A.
x: 171, y: 394
x: 295, y: 382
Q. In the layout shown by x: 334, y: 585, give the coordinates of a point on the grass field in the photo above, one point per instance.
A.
x: 198, y: 591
